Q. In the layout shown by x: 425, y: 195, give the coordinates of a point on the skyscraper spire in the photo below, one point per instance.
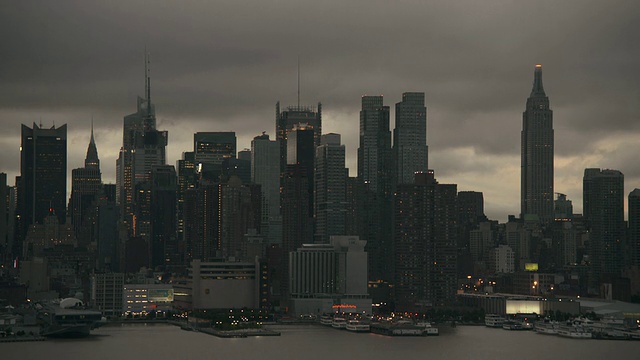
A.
x: 92, y: 161
x: 147, y: 71
x: 537, y: 89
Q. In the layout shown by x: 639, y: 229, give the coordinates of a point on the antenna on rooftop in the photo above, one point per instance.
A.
x: 298, y: 81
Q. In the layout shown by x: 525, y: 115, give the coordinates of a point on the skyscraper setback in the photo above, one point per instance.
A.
x: 537, y: 154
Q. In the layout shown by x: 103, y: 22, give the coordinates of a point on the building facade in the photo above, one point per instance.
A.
x: 537, y: 154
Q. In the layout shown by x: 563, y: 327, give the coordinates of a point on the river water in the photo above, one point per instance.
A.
x: 311, y: 342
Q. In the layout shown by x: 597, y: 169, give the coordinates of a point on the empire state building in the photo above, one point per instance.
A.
x: 537, y: 154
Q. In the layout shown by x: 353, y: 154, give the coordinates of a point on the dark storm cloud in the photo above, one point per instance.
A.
x: 222, y: 66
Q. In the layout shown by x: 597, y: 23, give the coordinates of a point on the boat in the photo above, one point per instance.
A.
x: 574, y: 332
x: 548, y: 328
x: 493, y: 320
x: 339, y: 323
x: 512, y: 325
x: 358, y: 326
x: 69, y: 318
x: 326, y: 320
x: 429, y: 329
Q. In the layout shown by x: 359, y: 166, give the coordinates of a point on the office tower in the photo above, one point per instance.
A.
x: 301, y: 152
x: 201, y: 215
x: 214, y: 147
x: 410, y: 137
x: 297, y: 221
x: 372, y: 191
x: 288, y: 119
x: 471, y: 206
x: 86, y: 184
x: 43, y: 177
x: 143, y: 147
x: 603, y: 207
x: 425, y: 243
x: 107, y: 234
x: 164, y: 192
x: 470, y: 216
x: 330, y: 188
x: 562, y: 208
x: 4, y: 217
x: 239, y: 211
x: 186, y: 180
x: 265, y: 171
x: 537, y: 154
x: 634, y: 226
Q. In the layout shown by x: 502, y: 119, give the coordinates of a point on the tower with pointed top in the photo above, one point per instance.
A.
x: 86, y: 184
x: 143, y: 147
x: 537, y: 154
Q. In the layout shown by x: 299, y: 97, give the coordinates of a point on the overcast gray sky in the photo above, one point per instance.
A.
x: 222, y: 65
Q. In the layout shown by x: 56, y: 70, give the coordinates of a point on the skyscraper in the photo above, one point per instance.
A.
x: 164, y: 192
x: 410, y: 137
x: 214, y: 147
x: 603, y: 207
x: 425, y: 243
x: 634, y: 227
x: 372, y: 192
x: 330, y: 188
x: 143, y: 147
x: 537, y: 154
x: 43, y: 177
x: 301, y: 151
x: 86, y: 184
x: 288, y: 119
x: 265, y: 171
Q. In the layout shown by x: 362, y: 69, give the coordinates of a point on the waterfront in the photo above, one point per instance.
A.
x: 311, y: 342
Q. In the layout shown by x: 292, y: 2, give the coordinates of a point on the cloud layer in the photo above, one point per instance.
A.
x: 221, y: 66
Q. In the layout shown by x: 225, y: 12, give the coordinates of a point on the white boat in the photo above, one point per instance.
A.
x: 574, y: 332
x: 546, y: 328
x: 493, y: 320
x: 326, y: 320
x: 358, y: 326
x: 339, y: 323
x: 69, y: 318
x: 429, y: 329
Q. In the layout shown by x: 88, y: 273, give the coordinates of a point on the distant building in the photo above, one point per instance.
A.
x: 330, y: 191
x: 86, y: 185
x: 501, y: 260
x: 634, y: 227
x: 210, y: 149
x: 163, y: 206
x: 425, y: 243
x: 371, y: 193
x: 106, y: 293
x: 143, y: 146
x: 42, y: 187
x: 327, y: 278
x: 562, y: 207
x: 265, y: 171
x: 219, y: 285
x: 410, y: 137
x: 141, y: 299
x: 537, y: 154
x: 603, y: 198
x: 287, y: 120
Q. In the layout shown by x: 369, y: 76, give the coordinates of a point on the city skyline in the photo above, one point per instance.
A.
x: 231, y: 83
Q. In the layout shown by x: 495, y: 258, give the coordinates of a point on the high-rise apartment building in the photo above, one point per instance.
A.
x: 330, y: 188
x: 603, y: 209
x: 536, y: 187
x: 410, y: 137
x: 424, y: 254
